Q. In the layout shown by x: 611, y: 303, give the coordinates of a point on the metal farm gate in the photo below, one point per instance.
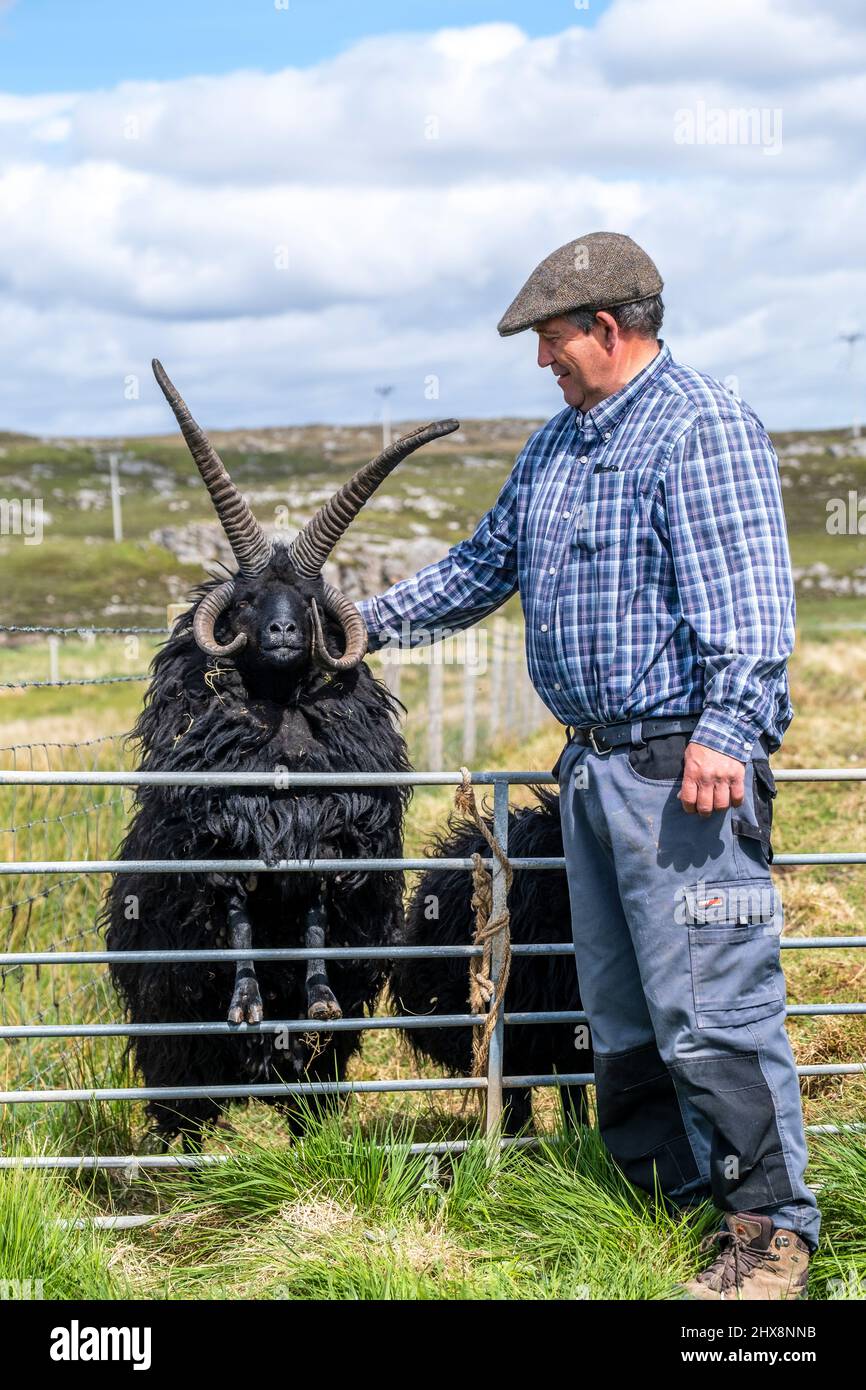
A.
x: 58, y: 960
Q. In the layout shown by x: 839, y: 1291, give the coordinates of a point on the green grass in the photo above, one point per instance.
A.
x: 64, y: 579
x: 594, y: 1233
x: 839, y: 1265
x: 63, y: 584
x: 336, y: 1216
x: 333, y: 1216
x: 47, y: 1244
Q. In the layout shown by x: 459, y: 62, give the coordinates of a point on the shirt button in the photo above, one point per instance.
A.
x: 556, y: 685
x: 566, y: 515
x: 553, y: 569
x: 584, y: 458
x: 606, y: 434
x: 544, y: 627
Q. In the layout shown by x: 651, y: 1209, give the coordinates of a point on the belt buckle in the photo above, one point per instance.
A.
x: 602, y: 752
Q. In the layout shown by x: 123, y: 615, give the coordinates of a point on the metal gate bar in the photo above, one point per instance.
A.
x: 321, y: 866
x: 227, y: 955
x: 286, y: 779
x: 133, y: 1162
x: 335, y: 1088
x: 491, y: 1085
x: 341, y: 1025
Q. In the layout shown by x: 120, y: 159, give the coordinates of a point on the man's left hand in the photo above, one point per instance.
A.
x: 711, y: 781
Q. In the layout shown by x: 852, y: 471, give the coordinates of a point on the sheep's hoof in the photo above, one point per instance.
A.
x: 246, y: 1005
x: 325, y: 1008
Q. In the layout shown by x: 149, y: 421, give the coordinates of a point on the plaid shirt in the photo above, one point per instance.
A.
x: 647, y: 540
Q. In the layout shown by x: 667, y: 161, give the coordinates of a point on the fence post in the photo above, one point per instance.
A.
x: 495, y: 682
x: 510, y: 682
x: 524, y: 691
x: 493, y: 1103
x: 54, y: 658
x: 114, y: 480
x: 539, y: 708
x: 434, y: 707
x: 392, y: 666
x: 469, y: 740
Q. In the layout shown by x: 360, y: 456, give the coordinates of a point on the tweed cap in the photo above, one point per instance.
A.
x: 597, y: 271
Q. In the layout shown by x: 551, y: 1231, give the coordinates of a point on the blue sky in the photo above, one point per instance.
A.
x: 56, y: 45
x: 289, y: 208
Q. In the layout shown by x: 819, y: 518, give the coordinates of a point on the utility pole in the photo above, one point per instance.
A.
x: 116, y: 516
x: 384, y: 392
x: 852, y: 339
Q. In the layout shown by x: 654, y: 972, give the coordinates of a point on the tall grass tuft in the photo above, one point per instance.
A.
x: 838, y: 1164
x: 567, y: 1211
x: 47, y: 1247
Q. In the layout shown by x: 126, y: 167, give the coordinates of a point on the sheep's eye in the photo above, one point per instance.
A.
x: 243, y: 603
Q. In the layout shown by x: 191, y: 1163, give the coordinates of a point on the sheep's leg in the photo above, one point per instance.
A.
x: 246, y: 1005
x: 575, y: 1105
x: 321, y: 1000
x: 517, y: 1108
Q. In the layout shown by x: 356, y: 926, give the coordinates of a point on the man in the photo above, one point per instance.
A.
x: 643, y: 527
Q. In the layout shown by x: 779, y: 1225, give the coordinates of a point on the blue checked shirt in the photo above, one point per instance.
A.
x: 647, y: 541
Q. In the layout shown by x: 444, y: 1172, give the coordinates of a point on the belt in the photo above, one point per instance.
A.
x: 603, y: 738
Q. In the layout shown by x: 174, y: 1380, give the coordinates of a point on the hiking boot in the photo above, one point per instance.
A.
x: 755, y: 1260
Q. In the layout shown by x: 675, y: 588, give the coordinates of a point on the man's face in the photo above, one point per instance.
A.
x: 577, y: 359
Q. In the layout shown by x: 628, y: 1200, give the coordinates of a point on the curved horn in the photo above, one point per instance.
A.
x: 354, y: 630
x: 206, y: 615
x: 312, y: 546
x: 252, y: 549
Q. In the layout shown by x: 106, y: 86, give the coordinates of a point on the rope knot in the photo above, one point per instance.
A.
x: 483, y: 994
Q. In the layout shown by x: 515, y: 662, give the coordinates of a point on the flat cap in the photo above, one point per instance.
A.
x: 597, y: 271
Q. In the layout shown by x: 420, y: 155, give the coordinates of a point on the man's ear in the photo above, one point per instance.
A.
x: 609, y: 329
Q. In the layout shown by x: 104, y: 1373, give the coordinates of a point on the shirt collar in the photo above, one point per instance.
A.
x: 607, y: 414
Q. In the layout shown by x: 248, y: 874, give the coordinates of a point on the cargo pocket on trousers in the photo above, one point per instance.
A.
x: 734, y: 930
x: 758, y: 829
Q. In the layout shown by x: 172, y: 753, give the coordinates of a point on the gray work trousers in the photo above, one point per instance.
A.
x: 676, y: 928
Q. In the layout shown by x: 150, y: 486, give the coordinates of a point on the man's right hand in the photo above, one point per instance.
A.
x: 711, y: 781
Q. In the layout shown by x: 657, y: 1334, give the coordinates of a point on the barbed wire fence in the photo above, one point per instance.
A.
x: 57, y: 911
x: 476, y: 681
x: 465, y: 695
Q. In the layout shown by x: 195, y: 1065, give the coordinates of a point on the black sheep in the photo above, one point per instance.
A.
x: 247, y: 681
x: 440, y: 913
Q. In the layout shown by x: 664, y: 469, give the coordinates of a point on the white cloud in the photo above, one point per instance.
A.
x: 410, y: 185
x: 774, y: 45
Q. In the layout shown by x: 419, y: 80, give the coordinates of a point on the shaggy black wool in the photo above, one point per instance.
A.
x: 440, y: 913
x: 201, y: 714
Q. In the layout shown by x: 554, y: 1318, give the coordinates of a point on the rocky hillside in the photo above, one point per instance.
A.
x: 77, y: 574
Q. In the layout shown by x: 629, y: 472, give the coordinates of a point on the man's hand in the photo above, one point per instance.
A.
x: 711, y: 781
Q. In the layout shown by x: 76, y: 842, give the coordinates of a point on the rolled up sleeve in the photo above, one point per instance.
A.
x: 729, y: 547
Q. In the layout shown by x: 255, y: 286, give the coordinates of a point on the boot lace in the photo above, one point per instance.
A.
x: 736, y: 1259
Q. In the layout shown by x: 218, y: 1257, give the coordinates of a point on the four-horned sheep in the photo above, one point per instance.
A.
x: 265, y: 673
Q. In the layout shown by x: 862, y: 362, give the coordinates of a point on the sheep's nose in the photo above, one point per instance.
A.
x: 281, y: 629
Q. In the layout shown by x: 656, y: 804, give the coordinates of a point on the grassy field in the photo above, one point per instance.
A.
x: 334, y: 1216
x: 79, y: 575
